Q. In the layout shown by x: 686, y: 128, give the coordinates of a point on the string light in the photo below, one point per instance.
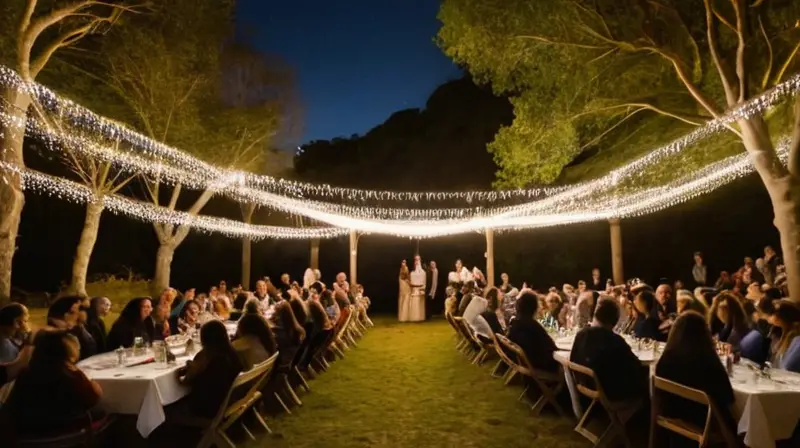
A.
x: 73, y: 192
x: 81, y: 117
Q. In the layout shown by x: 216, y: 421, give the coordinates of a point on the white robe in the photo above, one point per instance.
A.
x: 416, y: 305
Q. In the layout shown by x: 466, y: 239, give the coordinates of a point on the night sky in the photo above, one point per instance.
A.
x: 357, y: 61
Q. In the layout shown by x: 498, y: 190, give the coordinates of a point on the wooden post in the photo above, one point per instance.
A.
x: 353, y: 257
x: 490, y: 257
x: 616, y: 252
x: 314, y: 254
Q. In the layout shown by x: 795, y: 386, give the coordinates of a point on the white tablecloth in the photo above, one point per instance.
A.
x: 767, y: 410
x: 142, y: 390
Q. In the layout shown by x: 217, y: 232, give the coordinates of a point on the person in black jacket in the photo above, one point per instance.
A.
x: 491, y: 314
x: 133, y: 322
x: 619, y: 371
x: 647, y: 322
x: 532, y: 338
x: 95, y: 325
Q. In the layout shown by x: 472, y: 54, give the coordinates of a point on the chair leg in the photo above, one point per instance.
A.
x: 247, y: 431
x: 511, y: 374
x: 222, y: 440
x: 261, y: 421
x: 290, y: 391
x: 283, y: 405
x: 497, y: 366
x: 522, y: 395
x: 303, y: 382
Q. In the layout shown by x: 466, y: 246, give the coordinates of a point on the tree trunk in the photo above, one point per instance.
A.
x: 12, y: 198
x: 314, y: 264
x: 783, y: 188
x: 80, y: 266
x: 247, y: 214
x: 353, y: 257
x: 490, y: 257
x: 163, y: 266
x: 616, y: 252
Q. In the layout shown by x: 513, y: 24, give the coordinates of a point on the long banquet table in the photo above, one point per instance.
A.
x: 141, y: 390
x: 767, y: 410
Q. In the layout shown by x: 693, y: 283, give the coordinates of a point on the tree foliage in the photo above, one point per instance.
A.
x: 588, y: 76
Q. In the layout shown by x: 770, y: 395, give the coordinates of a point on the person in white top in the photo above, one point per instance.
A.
x: 476, y: 306
x: 417, y: 304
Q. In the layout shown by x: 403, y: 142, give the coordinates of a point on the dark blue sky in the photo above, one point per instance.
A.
x: 357, y: 61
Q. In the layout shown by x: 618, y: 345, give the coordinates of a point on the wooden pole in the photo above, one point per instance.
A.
x: 616, y: 251
x: 353, y: 257
x: 314, y: 253
x: 490, y: 257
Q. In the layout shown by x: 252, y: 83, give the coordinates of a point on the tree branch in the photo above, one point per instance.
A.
x: 741, y: 70
x: 27, y: 16
x: 566, y: 44
x: 794, y: 148
x: 62, y: 41
x: 713, y: 46
x: 173, y: 201
x: 786, y: 64
x: 607, y: 131
x: 640, y: 105
x: 768, y: 71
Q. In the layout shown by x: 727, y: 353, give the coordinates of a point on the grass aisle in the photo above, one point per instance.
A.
x: 406, y: 386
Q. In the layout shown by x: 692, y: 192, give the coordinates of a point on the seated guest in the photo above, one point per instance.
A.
x: 727, y: 308
x: 13, y: 327
x: 95, y: 325
x: 70, y: 313
x: 299, y: 309
x: 254, y: 341
x: 466, y: 296
x: 526, y: 332
x: 690, y: 350
x: 186, y: 322
x: 331, y: 307
x: 647, y: 321
x: 476, y: 306
x: 178, y: 302
x: 162, y: 310
x: 618, y: 370
x: 756, y: 345
x: 688, y: 302
x: 494, y: 312
x: 628, y: 314
x: 239, y: 301
x: 318, y: 316
x: 10, y: 370
x: 556, y: 312
x: 584, y: 308
x: 53, y: 395
x: 343, y: 303
x: 252, y: 306
x: 451, y: 302
x: 787, y: 318
x: 210, y: 375
x: 133, y: 322
x: 63, y: 313
x: 289, y: 335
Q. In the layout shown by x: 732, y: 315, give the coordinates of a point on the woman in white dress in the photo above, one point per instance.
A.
x: 404, y: 298
x: 416, y: 308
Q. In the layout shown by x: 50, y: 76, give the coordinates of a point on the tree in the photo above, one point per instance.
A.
x: 166, y: 69
x: 254, y: 80
x: 37, y: 31
x: 635, y: 62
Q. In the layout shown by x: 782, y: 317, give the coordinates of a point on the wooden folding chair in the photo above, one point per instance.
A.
x: 715, y: 430
x: 215, y: 429
x: 469, y: 349
x: 482, y: 351
x: 619, y: 413
x: 85, y: 434
x: 459, y: 337
x: 512, y: 368
x: 549, y: 383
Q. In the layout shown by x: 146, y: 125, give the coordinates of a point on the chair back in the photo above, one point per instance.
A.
x: 522, y: 363
x: 686, y: 429
x: 501, y: 350
x: 255, y: 379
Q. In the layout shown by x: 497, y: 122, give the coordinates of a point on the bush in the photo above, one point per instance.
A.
x: 119, y: 290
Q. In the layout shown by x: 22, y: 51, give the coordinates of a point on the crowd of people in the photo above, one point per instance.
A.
x: 746, y: 314
x: 46, y: 393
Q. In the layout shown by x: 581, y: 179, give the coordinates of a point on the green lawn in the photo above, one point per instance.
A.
x: 406, y: 386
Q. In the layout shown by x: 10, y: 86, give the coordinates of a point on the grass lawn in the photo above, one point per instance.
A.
x: 406, y: 386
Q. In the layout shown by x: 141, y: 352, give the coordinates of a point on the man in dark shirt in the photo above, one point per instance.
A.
x: 619, y: 371
x: 531, y: 336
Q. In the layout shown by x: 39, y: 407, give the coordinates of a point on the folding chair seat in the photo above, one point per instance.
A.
x: 619, y: 413
x: 550, y: 384
x: 715, y: 430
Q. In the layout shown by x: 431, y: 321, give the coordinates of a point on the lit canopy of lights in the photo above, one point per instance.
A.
x: 90, y: 135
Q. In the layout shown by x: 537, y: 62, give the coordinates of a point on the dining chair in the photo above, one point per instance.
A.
x: 460, y: 341
x: 715, y: 429
x: 550, y: 384
x: 85, y: 434
x: 232, y: 409
x: 469, y: 349
x: 511, y: 366
x: 619, y: 413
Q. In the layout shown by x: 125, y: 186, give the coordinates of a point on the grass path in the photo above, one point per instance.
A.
x: 406, y: 386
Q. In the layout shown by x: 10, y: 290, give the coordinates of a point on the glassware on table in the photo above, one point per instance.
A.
x: 138, y: 346
x: 160, y: 352
x: 121, y: 356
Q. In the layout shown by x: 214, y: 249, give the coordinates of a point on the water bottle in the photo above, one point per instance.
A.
x: 120, y: 356
x: 729, y: 364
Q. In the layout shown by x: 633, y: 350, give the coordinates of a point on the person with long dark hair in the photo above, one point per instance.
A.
x: 210, y: 375
x: 133, y: 322
x: 690, y: 358
x: 787, y: 348
x: 529, y: 334
x: 70, y: 313
x: 647, y: 322
x: 289, y: 335
x: 53, y: 395
x: 254, y: 341
x: 95, y: 325
x: 727, y: 308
